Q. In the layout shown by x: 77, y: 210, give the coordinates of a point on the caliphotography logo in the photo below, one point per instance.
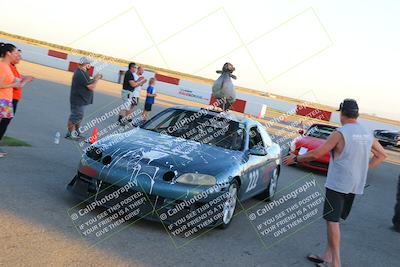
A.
x: 186, y: 133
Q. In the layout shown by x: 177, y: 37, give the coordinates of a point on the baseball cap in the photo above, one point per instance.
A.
x: 348, y: 105
x: 84, y: 61
x: 228, y: 67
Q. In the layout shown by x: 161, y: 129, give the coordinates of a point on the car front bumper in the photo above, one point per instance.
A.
x: 175, y: 204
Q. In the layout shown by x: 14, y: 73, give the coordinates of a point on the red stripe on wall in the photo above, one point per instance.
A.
x: 238, y: 106
x: 167, y: 79
x: 74, y: 65
x: 57, y: 54
x: 313, y: 113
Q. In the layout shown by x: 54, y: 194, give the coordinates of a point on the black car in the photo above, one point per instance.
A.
x: 388, y: 138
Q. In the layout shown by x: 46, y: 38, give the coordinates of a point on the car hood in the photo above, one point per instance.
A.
x: 166, y: 152
x: 310, y: 142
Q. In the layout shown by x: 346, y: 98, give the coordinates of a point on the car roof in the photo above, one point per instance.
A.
x: 235, y: 116
x: 389, y: 131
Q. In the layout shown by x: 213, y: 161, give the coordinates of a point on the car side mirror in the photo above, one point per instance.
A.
x: 301, y: 131
x: 258, y: 151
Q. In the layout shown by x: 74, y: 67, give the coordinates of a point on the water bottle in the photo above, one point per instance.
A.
x: 57, y: 138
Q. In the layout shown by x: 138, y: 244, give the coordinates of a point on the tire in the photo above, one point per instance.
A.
x: 269, y: 193
x: 229, y: 206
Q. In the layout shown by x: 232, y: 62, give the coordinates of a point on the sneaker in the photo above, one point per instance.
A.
x: 120, y: 120
x: 123, y: 121
x: 69, y: 136
x: 80, y: 137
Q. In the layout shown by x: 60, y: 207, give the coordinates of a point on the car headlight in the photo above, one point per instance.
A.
x: 196, y: 179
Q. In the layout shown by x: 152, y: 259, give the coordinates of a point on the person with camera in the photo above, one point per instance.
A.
x: 82, y: 88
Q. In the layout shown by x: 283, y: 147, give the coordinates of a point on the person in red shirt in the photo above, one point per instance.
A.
x: 17, y: 91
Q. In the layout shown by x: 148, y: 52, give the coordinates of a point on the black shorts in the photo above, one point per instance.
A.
x: 337, y: 205
x: 77, y: 112
x: 147, y: 106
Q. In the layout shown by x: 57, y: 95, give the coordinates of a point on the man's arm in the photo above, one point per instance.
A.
x: 92, y: 85
x: 14, y: 84
x: 27, y: 79
x: 151, y: 95
x: 379, y: 155
x: 135, y: 84
x: 93, y: 82
x: 330, y: 143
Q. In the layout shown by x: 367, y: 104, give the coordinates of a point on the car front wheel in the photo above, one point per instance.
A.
x: 269, y: 193
x: 229, y: 205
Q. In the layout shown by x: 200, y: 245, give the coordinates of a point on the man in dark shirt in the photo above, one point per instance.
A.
x: 131, y: 81
x: 81, y: 95
x: 396, y: 217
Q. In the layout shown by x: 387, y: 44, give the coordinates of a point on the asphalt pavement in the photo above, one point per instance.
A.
x: 36, y: 229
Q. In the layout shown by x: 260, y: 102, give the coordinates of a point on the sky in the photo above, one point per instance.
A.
x: 316, y: 50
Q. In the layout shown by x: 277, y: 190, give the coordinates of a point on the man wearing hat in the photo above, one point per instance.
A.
x: 350, y: 147
x: 223, y: 90
x: 81, y: 95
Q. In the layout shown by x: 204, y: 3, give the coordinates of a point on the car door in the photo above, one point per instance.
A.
x: 254, y: 167
x: 271, y: 160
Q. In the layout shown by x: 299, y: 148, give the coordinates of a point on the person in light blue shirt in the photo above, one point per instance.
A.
x: 150, y: 96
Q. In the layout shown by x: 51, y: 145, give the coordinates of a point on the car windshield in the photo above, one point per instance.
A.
x: 201, y: 126
x: 390, y: 134
x: 320, y: 131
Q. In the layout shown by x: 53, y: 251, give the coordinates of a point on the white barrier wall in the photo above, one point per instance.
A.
x: 110, y: 72
x: 39, y: 55
x: 200, y: 93
x: 167, y: 89
x: 254, y: 104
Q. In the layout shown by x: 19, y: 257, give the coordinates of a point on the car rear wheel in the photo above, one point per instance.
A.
x: 229, y: 205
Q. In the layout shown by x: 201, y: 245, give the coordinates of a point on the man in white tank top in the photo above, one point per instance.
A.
x: 350, y: 147
x: 139, y: 77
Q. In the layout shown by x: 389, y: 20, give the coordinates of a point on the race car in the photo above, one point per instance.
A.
x: 314, y: 137
x: 388, y: 138
x: 181, y: 154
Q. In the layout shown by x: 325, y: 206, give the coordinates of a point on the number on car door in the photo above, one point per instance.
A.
x: 255, y: 165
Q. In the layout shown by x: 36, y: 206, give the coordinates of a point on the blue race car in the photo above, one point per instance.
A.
x: 181, y: 154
